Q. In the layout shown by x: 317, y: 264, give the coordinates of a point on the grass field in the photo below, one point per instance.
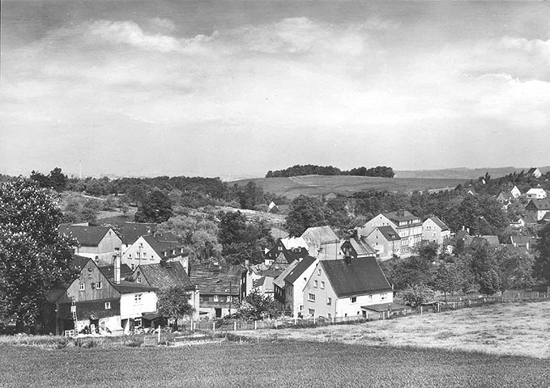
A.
x: 280, y: 364
x: 322, y: 185
x: 501, y: 329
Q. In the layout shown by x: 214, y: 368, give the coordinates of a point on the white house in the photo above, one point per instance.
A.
x: 291, y: 295
x: 536, y: 193
x: 433, y: 229
x: 342, y: 288
x: 150, y: 250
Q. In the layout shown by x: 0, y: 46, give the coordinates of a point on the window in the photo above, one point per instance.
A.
x: 322, y: 285
x: 137, y: 254
x: 329, y: 300
x: 98, y: 285
x: 301, y: 307
x: 311, y: 312
x: 107, y: 305
x: 138, y: 280
x: 137, y: 298
x: 319, y: 272
x: 216, y: 298
x: 353, y: 299
x: 82, y: 287
x: 383, y: 297
x: 137, y: 322
x: 311, y: 297
x: 315, y: 283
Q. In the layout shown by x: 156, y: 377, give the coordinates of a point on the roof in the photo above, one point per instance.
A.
x: 212, y: 279
x: 438, y: 222
x: 321, y: 234
x: 361, y: 247
x: 293, y: 242
x: 109, y: 271
x: 131, y: 231
x: 532, y: 170
x: 165, y: 248
x: 169, y: 274
x: 125, y: 287
x: 400, y: 216
x: 89, y: 236
x: 539, y: 204
x: 492, y: 240
x: 300, y: 268
x: 535, y: 190
x: 386, y: 307
x: 265, y: 282
x: 280, y: 280
x: 520, y: 240
x: 388, y: 232
x: 278, y: 233
x: 355, y: 276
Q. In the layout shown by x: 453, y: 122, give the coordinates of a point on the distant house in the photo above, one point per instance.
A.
x: 221, y: 287
x: 357, y: 247
x: 167, y: 274
x: 100, y: 243
x: 131, y: 231
x: 285, y: 245
x: 534, y: 172
x: 521, y: 242
x: 385, y: 241
x: 435, y: 230
x: 322, y: 242
x: 294, y: 283
x: 272, y: 208
x: 536, y: 193
x: 518, y: 223
x: 94, y: 300
x: 475, y: 242
x: 342, y: 288
x: 407, y: 225
x: 151, y: 250
x: 537, y: 208
x: 279, y: 291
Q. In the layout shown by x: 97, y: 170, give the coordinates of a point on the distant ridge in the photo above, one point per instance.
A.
x: 463, y: 172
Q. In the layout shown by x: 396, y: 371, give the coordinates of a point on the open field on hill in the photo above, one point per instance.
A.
x: 279, y: 364
x: 322, y: 185
x: 503, y: 329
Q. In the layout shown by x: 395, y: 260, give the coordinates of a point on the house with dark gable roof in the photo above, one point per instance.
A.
x: 289, y: 286
x: 100, y: 243
x: 357, y: 247
x: 534, y: 172
x: 342, y: 288
x: 151, y: 249
x: 536, y: 209
x: 131, y: 231
x: 433, y: 229
x: 385, y: 241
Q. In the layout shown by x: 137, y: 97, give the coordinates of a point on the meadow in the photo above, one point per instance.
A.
x: 277, y: 364
x: 347, y: 185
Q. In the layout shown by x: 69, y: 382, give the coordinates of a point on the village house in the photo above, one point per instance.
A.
x: 151, y: 250
x: 435, y: 230
x: 279, y: 292
x: 168, y: 274
x: 322, y: 242
x: 385, y: 241
x: 291, y: 296
x: 100, y: 243
x: 285, y: 245
x: 534, y: 172
x: 342, y: 288
x: 96, y: 302
x: 524, y: 242
x: 537, y: 208
x: 222, y: 288
x: 357, y: 247
x: 131, y: 231
x: 536, y: 193
x: 407, y: 226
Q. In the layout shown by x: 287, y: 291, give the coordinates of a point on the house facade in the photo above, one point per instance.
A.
x: 536, y: 193
x: 294, y: 284
x: 322, y: 242
x: 537, y: 208
x: 435, y: 230
x: 343, y: 288
x: 96, y: 242
x: 151, y: 250
x: 386, y: 242
x: 357, y: 247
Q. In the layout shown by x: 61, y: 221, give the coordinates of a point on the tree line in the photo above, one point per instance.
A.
x: 310, y: 169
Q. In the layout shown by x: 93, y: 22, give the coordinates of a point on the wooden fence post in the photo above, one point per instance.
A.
x: 420, y: 310
x: 235, y: 326
x: 255, y: 325
x: 214, y: 326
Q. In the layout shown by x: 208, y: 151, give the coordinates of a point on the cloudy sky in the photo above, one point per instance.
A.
x: 237, y: 88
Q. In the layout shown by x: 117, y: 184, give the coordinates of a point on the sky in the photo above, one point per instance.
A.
x: 234, y: 89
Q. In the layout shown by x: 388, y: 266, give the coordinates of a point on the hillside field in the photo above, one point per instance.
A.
x: 322, y: 184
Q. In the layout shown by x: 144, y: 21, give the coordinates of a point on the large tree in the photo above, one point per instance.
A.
x: 156, y: 208
x: 173, y: 302
x: 304, y: 212
x: 34, y: 257
x: 541, y: 268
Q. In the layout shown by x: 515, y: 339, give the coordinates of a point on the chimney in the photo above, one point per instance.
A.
x: 347, y: 259
x: 116, y: 268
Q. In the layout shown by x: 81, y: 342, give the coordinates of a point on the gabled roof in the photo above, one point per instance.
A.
x: 539, y: 204
x: 439, y: 223
x: 109, y: 271
x: 212, y: 279
x: 169, y: 274
x: 131, y: 231
x: 89, y: 236
x: 165, y: 248
x: 361, y: 247
x: 520, y: 240
x: 400, y: 216
x: 280, y: 280
x: 125, y: 287
x: 278, y: 233
x: 532, y: 170
x: 321, y: 235
x: 300, y: 268
x: 355, y: 276
x: 388, y: 232
x: 293, y: 242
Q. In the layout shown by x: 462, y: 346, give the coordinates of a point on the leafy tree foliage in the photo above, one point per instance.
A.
x: 34, y: 257
x: 418, y: 294
x: 542, y: 261
x: 257, y: 306
x: 156, y: 208
x: 55, y: 179
x: 409, y: 271
x: 310, y: 169
x: 173, y: 302
x: 304, y: 213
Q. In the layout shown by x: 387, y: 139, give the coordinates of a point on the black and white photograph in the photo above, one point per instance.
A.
x: 275, y: 193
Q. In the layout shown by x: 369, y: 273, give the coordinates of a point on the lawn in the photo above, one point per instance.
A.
x: 322, y: 185
x: 502, y: 329
x: 278, y: 364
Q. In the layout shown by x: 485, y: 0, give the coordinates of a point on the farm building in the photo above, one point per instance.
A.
x: 100, y: 243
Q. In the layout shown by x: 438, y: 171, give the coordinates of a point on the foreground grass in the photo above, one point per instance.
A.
x: 503, y: 329
x: 280, y: 364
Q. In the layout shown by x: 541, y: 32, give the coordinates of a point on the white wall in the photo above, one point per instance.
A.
x: 129, y: 308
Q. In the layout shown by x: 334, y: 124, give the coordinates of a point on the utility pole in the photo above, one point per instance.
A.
x: 230, y: 298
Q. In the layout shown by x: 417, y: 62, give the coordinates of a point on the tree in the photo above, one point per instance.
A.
x: 173, y: 302
x: 58, y: 180
x: 156, y: 208
x: 449, y: 279
x: 257, y: 306
x: 34, y: 257
x: 417, y: 294
x: 304, y: 212
x: 515, y: 268
x: 541, y: 268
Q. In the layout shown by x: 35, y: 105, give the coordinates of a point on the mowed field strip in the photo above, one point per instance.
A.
x: 521, y: 329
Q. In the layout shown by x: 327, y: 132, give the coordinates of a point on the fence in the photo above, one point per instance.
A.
x: 452, y: 303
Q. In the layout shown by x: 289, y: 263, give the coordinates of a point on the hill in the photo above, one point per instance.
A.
x: 317, y: 185
x: 463, y: 173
